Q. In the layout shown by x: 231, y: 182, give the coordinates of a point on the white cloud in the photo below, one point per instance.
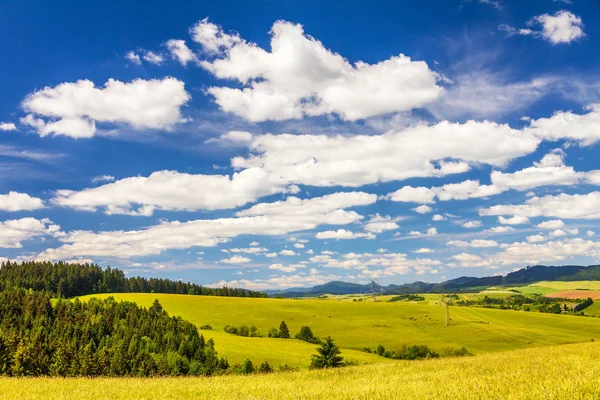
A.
x: 171, y: 190
x: 343, y: 234
x: 582, y: 128
x: 472, y: 224
x: 590, y: 233
x: 298, y: 245
x: 521, y: 253
x: 379, y: 224
x: 552, y: 224
x: 438, y: 218
x: 153, y: 58
x: 423, y: 209
x: 478, y: 243
x: 15, y: 201
x: 562, y: 27
x: 322, y: 160
x: 516, y: 220
x: 429, y: 232
x: 7, y: 126
x: 577, y: 206
x: 281, y: 267
x: 237, y: 138
x: 293, y: 206
x: 249, y: 250
x: 180, y: 52
x: 536, y: 239
x: 236, y: 260
x: 550, y: 171
x: 501, y: 229
x: 423, y: 251
x: 133, y: 57
x: 282, y: 282
x: 73, y: 109
x: 301, y: 77
x: 15, y: 231
x: 411, y: 194
x: 271, y: 255
x: 103, y: 178
x: 287, y: 253
x: 212, y: 38
x: 277, y: 218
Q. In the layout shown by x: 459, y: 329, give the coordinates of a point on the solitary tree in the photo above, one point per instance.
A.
x: 307, y: 335
x: 284, y: 332
x: 329, y: 355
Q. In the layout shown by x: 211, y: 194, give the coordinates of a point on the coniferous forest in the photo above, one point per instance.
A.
x: 70, y: 279
x: 99, y: 337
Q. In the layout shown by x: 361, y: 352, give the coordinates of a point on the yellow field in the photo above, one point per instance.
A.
x: 355, y: 325
x: 560, y: 372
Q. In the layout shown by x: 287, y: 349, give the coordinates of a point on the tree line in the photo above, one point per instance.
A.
x: 98, y: 337
x: 71, y: 279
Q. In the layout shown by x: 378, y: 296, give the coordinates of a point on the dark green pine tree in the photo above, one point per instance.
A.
x: 329, y: 355
x: 284, y: 332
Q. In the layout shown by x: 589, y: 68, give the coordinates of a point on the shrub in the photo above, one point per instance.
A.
x: 247, y: 367
x: 265, y: 368
x: 380, y: 350
x: 206, y: 327
x: 306, y: 335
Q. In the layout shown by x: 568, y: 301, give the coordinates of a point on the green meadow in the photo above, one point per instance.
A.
x: 359, y: 324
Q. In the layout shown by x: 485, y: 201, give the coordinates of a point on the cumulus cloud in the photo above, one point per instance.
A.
x: 472, y: 224
x: 562, y: 27
x: 7, y: 126
x: 516, y: 220
x: 552, y: 224
x: 171, y: 190
x: 236, y: 260
x: 478, y: 243
x: 15, y: 231
x: 344, y: 234
x: 300, y: 77
x: 180, y: 51
x: 15, y: 201
x: 269, y: 219
x: 582, y: 128
x: 379, y: 224
x: 73, y: 109
x: 549, y: 171
x: 576, y: 206
x: 133, y: 57
x: 153, y: 58
x: 423, y: 209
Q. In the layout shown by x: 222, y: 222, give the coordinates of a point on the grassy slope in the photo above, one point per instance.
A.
x: 561, y: 372
x: 355, y: 325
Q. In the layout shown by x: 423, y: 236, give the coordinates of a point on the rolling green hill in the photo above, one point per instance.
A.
x: 356, y: 325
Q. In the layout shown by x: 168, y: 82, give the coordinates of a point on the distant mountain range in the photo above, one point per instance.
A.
x: 523, y: 276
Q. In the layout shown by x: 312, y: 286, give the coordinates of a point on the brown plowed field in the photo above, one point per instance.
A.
x: 576, y: 294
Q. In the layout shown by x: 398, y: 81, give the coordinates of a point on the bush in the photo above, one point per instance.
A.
x: 265, y: 368
x: 206, y: 327
x: 247, y: 367
x: 306, y: 335
x: 288, y: 368
x: 380, y: 350
x: 462, y: 352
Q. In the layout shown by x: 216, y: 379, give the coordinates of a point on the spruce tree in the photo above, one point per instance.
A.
x: 329, y: 355
x: 284, y: 332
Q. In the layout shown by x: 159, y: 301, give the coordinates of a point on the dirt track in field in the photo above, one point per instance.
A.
x: 576, y: 294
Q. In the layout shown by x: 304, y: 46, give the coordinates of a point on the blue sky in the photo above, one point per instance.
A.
x: 281, y: 144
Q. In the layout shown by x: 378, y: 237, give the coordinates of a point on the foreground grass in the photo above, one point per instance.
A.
x: 560, y: 372
x: 355, y: 325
